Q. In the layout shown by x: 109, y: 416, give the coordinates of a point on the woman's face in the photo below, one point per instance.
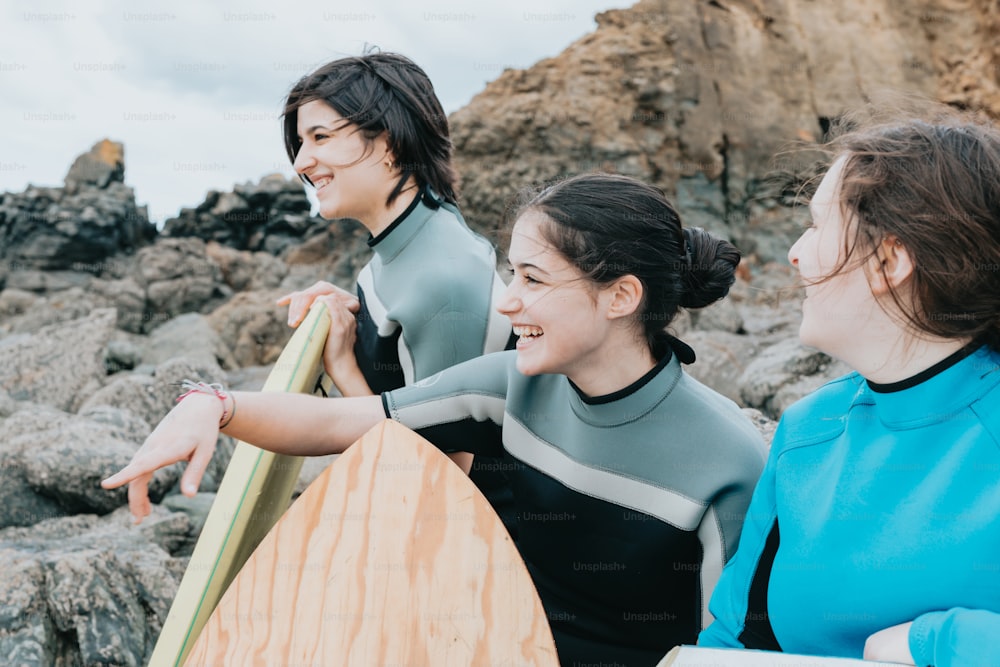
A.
x: 351, y: 177
x: 836, y: 310
x: 556, y: 312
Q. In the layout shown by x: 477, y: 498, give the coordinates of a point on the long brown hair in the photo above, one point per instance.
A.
x: 935, y: 186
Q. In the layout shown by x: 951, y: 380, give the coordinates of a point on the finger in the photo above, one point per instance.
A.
x: 191, y: 479
x: 138, y: 497
x: 335, y: 308
x: 299, y: 307
x: 123, y: 476
x: 285, y: 299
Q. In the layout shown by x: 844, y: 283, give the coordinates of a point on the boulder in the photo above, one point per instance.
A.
x: 56, y: 364
x: 102, y: 165
x: 783, y: 373
x: 252, y: 327
x: 88, y: 590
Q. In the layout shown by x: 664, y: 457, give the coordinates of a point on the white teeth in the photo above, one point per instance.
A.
x: 530, y: 332
x: 319, y: 183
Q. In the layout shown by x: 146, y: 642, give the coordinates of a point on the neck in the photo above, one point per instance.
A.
x: 381, y: 217
x: 613, y: 367
x: 887, y: 360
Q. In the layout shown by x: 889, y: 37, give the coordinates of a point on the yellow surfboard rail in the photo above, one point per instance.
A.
x: 254, y: 493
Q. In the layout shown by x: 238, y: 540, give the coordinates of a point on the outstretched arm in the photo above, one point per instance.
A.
x: 294, y: 424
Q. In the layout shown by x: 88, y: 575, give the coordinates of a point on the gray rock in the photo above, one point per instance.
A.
x: 55, y: 307
x: 125, y: 424
x: 722, y: 315
x: 65, y: 458
x: 270, y: 216
x: 764, y: 424
x: 782, y: 365
x: 85, y: 590
x: 8, y: 405
x: 102, y: 165
x: 77, y: 227
x: 55, y: 365
x: 196, y: 508
x: 129, y: 300
x: 190, y: 336
x: 122, y: 355
x: 253, y: 327
x: 20, y: 504
x: 244, y: 270
x: 15, y: 301
x: 41, y: 282
x: 723, y: 358
x: 178, y: 277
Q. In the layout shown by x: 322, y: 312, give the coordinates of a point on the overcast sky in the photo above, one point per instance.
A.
x: 193, y: 89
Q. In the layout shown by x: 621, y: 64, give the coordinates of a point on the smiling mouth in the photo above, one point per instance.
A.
x: 527, y: 332
x: 322, y: 182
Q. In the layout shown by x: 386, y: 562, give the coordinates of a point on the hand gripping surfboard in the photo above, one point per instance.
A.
x: 254, y: 493
x: 392, y: 556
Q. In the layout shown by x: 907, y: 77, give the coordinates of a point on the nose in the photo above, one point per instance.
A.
x: 793, y: 253
x: 510, y: 301
x: 304, y: 160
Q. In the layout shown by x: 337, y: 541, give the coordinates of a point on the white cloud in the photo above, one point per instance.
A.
x: 193, y: 89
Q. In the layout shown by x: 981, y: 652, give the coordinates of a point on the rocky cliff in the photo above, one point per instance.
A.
x: 699, y: 98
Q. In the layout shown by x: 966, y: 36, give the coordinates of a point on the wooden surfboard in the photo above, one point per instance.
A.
x: 698, y: 656
x: 392, y: 556
x: 254, y: 493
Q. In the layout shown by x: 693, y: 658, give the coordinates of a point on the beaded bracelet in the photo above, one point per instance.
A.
x: 213, y: 389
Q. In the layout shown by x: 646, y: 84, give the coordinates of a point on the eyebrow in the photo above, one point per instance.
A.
x: 312, y: 129
x: 528, y: 265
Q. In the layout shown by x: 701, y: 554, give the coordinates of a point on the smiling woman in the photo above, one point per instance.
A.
x: 369, y: 134
x: 630, y: 479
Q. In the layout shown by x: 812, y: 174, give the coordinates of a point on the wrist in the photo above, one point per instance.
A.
x: 226, y: 401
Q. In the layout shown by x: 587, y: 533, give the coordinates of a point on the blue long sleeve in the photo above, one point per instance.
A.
x: 956, y: 638
x: 878, y: 506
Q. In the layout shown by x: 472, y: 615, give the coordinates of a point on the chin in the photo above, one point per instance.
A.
x: 526, y: 367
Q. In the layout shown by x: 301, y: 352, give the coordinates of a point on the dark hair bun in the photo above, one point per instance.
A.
x: 712, y: 270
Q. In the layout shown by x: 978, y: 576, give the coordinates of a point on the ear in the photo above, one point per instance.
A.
x: 624, y: 297
x: 893, y: 266
x: 380, y: 146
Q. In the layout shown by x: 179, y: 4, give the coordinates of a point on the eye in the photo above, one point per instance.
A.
x: 320, y: 137
x: 531, y: 281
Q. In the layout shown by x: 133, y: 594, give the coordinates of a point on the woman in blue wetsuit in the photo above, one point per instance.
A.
x: 874, y: 528
x: 630, y: 479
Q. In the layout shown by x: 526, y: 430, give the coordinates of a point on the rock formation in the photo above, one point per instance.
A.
x: 699, y: 98
x: 76, y: 227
